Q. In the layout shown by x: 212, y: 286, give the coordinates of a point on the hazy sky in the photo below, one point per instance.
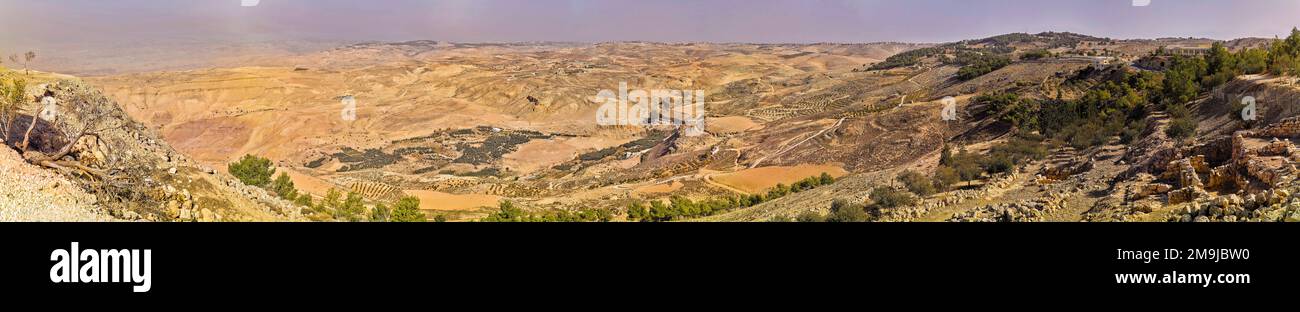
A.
x: 70, y: 22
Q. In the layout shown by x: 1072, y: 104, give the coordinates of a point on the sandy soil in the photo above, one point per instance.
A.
x: 731, y: 124
x: 439, y: 201
x: 541, y: 154
x: 309, y: 184
x: 759, y: 180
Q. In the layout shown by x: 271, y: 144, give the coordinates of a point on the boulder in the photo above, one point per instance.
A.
x: 1147, y: 190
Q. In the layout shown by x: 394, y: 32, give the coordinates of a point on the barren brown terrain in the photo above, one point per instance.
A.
x: 467, y: 127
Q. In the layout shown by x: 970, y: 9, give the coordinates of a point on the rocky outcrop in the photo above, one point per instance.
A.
x: 33, y: 194
x: 1024, y: 211
x: 132, y: 173
x: 1287, y: 128
x: 1266, y: 206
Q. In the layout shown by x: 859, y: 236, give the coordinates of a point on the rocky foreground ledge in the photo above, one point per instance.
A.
x: 30, y: 194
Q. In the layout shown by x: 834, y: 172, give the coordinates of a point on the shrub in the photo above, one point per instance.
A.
x: 283, y: 187
x: 889, y: 198
x: 996, y: 164
x: 660, y: 212
x: 1035, y: 55
x: 380, y: 213
x: 351, y: 208
x: 252, y: 170
x: 945, y: 178
x: 303, y: 200
x: 506, y: 212
x: 843, y: 211
x: 810, y: 216
x: 1282, y: 65
x: 11, y: 99
x: 1181, y: 128
x: 407, y: 209
x: 1021, y: 148
x: 826, y: 179
x: 637, y: 211
x: 1132, y: 133
x: 998, y: 103
x: 331, y: 201
x: 981, y: 66
x: 779, y: 191
x: 966, y: 165
x: 1253, y: 61
x: 916, y: 183
x: 682, y: 208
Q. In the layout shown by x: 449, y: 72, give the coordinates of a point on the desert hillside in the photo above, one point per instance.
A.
x: 1017, y: 127
x: 82, y: 158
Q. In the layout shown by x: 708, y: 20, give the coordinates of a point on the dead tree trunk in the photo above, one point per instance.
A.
x: 27, y: 136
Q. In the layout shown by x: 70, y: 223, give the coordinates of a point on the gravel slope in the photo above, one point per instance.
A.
x: 32, y: 194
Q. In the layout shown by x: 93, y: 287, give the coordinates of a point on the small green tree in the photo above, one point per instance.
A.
x: 333, y: 198
x: 659, y: 212
x: 351, y: 208
x: 507, y: 212
x: 407, y: 209
x: 252, y: 170
x: 945, y: 178
x: 303, y: 200
x: 636, y: 211
x: 283, y: 187
x: 843, y: 211
x: 1253, y: 61
x: 826, y: 179
x: 380, y: 213
x: 779, y: 191
x: 888, y: 198
x: 1181, y: 128
x: 916, y: 183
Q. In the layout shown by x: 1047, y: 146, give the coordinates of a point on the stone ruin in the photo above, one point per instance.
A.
x: 1252, y: 174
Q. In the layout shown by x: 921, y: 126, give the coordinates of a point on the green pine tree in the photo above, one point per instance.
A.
x: 407, y: 210
x: 283, y: 187
x: 252, y: 170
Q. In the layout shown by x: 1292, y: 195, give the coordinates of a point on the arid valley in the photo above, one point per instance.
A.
x: 793, y: 132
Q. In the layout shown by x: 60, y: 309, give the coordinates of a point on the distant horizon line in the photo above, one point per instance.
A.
x: 356, y: 42
x: 348, y: 42
x: 1276, y: 36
